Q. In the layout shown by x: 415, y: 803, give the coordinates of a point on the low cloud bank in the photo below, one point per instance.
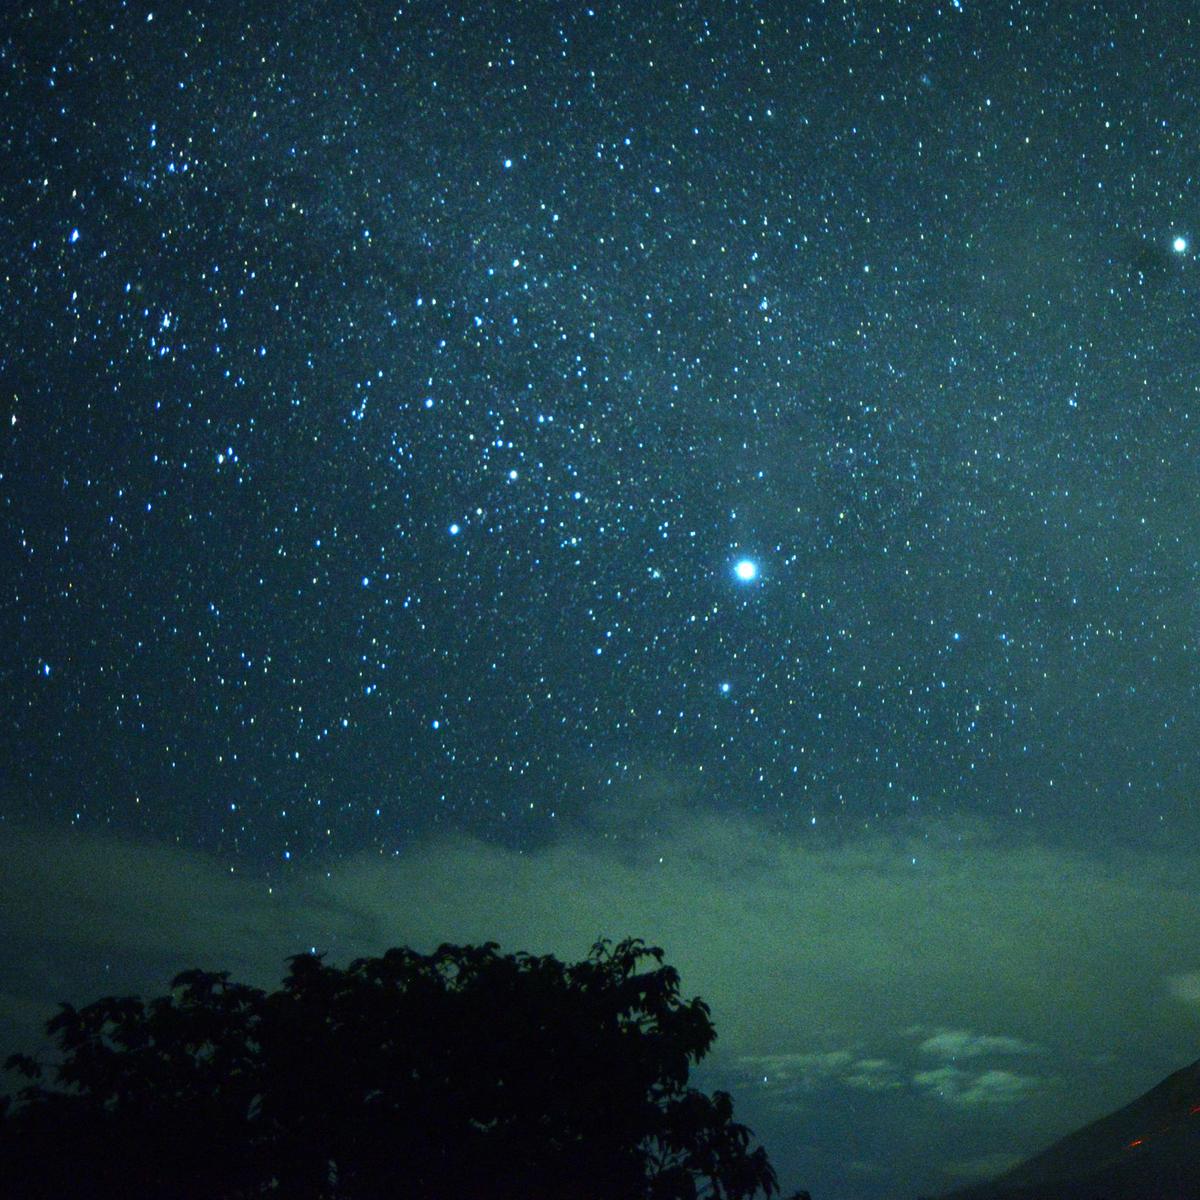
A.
x: 1044, y: 984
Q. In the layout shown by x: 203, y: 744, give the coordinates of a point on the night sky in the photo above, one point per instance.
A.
x: 719, y: 472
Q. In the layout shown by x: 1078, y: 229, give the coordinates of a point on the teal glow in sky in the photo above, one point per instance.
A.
x: 435, y: 433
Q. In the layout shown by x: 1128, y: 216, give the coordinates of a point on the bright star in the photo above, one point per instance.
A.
x: 1180, y: 245
x: 746, y: 569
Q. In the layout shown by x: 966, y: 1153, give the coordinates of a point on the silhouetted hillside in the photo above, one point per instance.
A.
x: 1148, y: 1150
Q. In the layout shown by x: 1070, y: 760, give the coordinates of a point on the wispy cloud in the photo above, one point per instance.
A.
x: 957, y: 1086
x: 815, y: 959
x: 962, y: 1043
x: 1185, y: 987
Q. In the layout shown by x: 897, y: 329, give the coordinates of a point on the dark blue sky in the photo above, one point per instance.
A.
x: 390, y: 395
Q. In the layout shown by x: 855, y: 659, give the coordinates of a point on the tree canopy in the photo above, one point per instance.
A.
x: 461, y: 1073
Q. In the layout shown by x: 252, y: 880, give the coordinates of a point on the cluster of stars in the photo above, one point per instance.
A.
x: 384, y: 397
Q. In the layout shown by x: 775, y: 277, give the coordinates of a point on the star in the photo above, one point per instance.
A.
x: 1180, y: 245
x: 746, y: 570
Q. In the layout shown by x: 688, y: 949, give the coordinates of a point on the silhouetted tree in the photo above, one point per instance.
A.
x: 460, y: 1074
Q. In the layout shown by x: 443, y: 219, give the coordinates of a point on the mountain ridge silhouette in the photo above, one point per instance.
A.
x: 1147, y: 1150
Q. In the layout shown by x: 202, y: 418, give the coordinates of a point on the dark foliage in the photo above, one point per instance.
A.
x: 463, y: 1073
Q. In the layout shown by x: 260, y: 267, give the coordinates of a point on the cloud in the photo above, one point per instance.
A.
x: 808, y: 1068
x: 1185, y: 987
x: 795, y: 1074
x: 978, y: 1083
x: 801, y: 949
x: 940, y: 1081
x: 961, y: 1043
x: 998, y: 1087
x: 815, y: 958
x: 874, y: 1075
x: 792, y: 1077
x: 953, y: 1085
